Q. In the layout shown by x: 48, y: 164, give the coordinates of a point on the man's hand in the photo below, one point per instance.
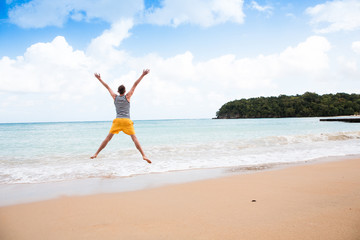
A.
x: 113, y: 95
x: 97, y: 75
x: 145, y: 71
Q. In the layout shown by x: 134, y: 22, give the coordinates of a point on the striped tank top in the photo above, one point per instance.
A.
x: 122, y: 106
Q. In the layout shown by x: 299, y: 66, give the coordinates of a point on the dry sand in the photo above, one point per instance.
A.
x: 318, y: 201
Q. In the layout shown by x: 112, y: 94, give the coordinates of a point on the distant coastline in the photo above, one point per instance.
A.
x: 305, y: 105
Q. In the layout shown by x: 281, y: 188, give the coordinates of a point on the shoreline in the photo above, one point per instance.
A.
x: 22, y: 193
x: 319, y: 200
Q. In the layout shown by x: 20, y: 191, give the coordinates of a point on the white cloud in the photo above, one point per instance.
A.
x: 46, y: 67
x: 309, y: 56
x: 349, y: 66
x: 42, y: 13
x: 335, y: 16
x: 57, y: 69
x: 356, y: 47
x: 267, y: 8
x: 199, y: 12
x: 105, y: 46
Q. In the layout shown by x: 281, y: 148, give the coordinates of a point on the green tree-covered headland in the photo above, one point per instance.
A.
x: 305, y: 105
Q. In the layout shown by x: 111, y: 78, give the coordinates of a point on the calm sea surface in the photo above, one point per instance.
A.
x: 48, y: 152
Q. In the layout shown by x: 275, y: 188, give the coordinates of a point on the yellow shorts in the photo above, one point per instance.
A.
x: 122, y: 124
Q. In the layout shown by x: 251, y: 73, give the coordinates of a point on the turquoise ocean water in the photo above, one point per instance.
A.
x: 50, y: 152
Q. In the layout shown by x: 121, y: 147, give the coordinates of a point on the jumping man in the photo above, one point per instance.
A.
x: 122, y: 121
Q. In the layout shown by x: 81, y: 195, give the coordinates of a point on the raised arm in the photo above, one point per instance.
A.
x: 113, y: 95
x: 131, y: 92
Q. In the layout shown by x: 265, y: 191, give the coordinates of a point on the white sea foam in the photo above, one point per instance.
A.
x: 172, y: 145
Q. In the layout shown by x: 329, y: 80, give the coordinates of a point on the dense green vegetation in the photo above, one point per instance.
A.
x: 306, y: 105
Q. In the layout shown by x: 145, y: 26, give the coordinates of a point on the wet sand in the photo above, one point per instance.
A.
x: 317, y: 201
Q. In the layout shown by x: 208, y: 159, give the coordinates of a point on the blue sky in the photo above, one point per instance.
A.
x: 202, y: 53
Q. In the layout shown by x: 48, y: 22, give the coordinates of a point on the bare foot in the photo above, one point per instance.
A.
x: 146, y: 159
x: 92, y: 157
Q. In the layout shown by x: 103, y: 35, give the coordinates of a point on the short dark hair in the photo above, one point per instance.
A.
x: 121, y: 89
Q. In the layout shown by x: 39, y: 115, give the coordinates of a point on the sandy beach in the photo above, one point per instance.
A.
x: 313, y: 201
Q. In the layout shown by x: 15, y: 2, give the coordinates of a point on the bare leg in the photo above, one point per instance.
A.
x: 103, y: 144
x: 137, y: 144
